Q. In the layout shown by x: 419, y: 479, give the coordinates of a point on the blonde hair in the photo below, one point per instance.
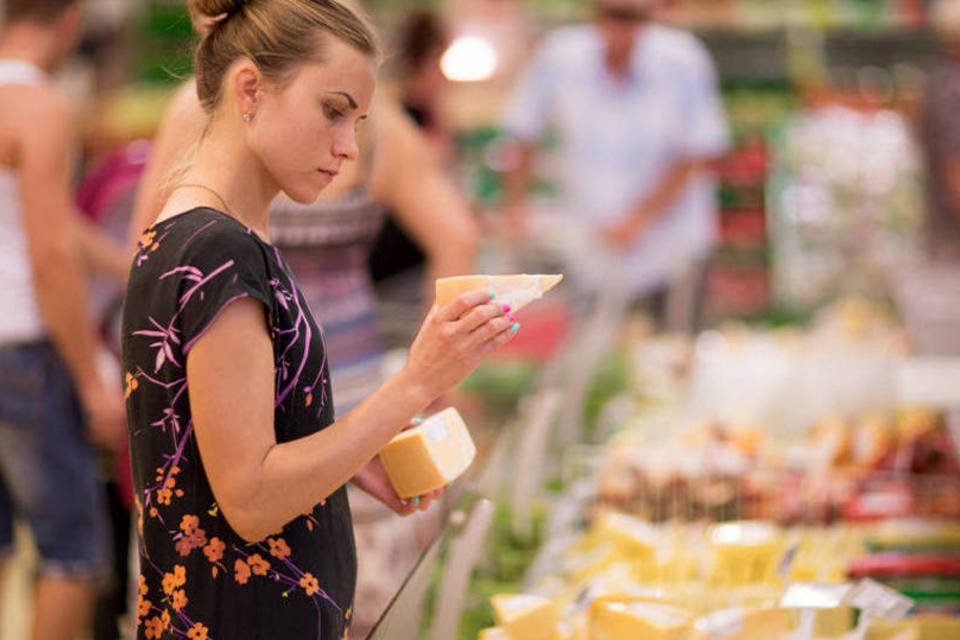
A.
x: 278, y: 36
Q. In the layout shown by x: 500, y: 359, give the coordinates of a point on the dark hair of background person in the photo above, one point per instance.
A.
x: 36, y: 10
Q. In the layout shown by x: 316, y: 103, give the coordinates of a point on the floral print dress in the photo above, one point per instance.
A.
x: 199, y: 580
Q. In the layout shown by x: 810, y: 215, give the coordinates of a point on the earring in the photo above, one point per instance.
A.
x: 247, y: 117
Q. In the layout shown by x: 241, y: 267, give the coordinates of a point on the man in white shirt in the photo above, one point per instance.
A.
x: 639, y: 118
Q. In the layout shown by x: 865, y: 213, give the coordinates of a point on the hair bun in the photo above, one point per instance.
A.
x: 207, y: 14
x: 213, y: 8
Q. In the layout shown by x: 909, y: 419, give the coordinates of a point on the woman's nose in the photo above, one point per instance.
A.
x: 346, y: 146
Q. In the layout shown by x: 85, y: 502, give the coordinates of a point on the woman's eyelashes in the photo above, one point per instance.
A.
x: 331, y: 112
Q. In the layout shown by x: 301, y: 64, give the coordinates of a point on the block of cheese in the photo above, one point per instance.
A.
x: 526, y: 617
x: 743, y: 624
x: 630, y: 620
x: 745, y: 552
x: 515, y: 290
x: 631, y: 535
x: 429, y: 456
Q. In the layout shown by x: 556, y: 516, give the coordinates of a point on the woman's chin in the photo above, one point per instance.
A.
x: 304, y: 195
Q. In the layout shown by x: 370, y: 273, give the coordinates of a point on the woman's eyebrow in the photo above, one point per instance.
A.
x: 353, y: 103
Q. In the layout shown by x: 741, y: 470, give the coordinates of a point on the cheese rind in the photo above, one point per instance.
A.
x: 429, y: 456
x: 526, y: 617
x: 516, y: 290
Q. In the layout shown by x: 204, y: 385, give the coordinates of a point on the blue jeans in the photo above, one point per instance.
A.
x: 48, y: 469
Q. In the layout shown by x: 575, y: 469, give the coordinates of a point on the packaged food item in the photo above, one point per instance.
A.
x: 525, y: 617
x: 429, y: 456
x: 517, y: 290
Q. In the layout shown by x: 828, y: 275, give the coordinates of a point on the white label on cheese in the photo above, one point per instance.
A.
x: 518, y: 296
x: 722, y: 624
x: 435, y: 429
x: 814, y: 596
x: 879, y: 600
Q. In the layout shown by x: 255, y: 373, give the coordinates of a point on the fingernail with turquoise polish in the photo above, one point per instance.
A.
x: 493, y: 294
x: 416, y: 501
x: 515, y: 327
x: 416, y: 420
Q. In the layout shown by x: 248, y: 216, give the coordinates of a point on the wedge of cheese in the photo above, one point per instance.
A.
x: 631, y: 620
x: 632, y: 536
x: 514, y: 290
x: 429, y: 456
x: 526, y: 617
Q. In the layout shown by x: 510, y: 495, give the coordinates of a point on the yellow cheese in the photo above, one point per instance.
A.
x: 632, y: 620
x: 430, y: 455
x: 526, y: 617
x: 924, y: 626
x: 515, y: 290
x: 632, y: 536
x: 743, y: 624
x: 745, y: 552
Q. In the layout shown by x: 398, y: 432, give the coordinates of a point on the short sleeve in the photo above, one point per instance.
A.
x: 220, y: 268
x: 528, y: 111
x: 706, y: 133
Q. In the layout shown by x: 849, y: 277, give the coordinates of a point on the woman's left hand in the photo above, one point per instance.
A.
x: 373, y: 480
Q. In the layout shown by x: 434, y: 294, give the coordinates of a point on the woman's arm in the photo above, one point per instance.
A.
x: 261, y: 485
x: 425, y: 202
x: 179, y: 132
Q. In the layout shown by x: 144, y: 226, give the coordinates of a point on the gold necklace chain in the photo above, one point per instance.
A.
x: 197, y: 185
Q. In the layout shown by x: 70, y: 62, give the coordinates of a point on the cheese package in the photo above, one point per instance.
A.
x: 632, y: 536
x: 514, y: 290
x: 629, y: 620
x: 743, y: 624
x: 526, y: 617
x: 429, y: 456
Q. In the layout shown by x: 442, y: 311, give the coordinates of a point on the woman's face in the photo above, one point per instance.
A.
x: 305, y: 131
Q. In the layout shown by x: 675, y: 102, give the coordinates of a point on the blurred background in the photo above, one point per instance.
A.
x: 806, y: 380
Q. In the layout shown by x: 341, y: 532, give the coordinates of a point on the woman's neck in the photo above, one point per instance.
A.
x: 225, y: 167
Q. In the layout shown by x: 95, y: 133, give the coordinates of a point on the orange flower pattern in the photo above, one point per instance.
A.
x: 193, y: 564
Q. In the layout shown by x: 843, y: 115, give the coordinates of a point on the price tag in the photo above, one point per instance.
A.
x: 878, y: 600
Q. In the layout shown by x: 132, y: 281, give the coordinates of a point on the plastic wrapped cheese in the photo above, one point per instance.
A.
x: 429, y: 456
x: 630, y: 620
x: 526, y: 617
x: 515, y: 290
x: 743, y: 624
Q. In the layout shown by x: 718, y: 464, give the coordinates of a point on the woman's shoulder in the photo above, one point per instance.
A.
x: 202, y: 237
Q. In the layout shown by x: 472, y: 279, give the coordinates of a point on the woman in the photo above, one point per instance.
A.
x: 239, y: 467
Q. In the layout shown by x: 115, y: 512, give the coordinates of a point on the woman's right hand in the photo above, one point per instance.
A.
x: 454, y: 338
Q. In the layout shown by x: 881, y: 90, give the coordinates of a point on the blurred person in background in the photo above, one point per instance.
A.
x: 396, y: 260
x: 940, y: 136
x: 639, y: 117
x: 55, y: 405
x: 327, y: 245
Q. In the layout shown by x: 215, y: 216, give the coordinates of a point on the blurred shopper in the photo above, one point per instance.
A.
x: 638, y: 113
x: 54, y: 404
x: 941, y: 137
x: 327, y: 245
x: 396, y: 258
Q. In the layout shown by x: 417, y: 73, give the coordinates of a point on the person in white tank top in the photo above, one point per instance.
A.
x: 55, y: 406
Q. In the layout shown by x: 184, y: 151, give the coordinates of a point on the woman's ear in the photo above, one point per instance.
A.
x: 247, y: 88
